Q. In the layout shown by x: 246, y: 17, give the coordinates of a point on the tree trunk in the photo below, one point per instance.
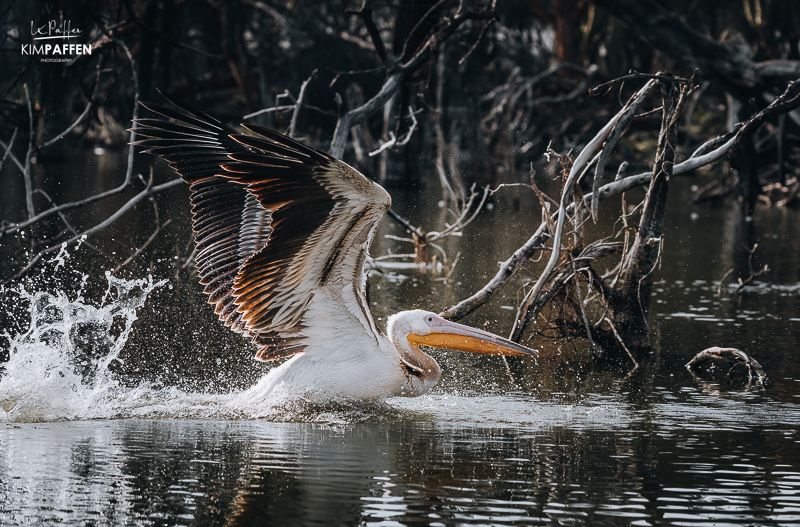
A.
x: 629, y: 303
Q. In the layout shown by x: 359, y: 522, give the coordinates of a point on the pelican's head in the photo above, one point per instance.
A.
x: 410, y: 329
x: 429, y: 329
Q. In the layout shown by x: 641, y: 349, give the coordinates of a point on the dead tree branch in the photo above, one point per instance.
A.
x: 401, y: 72
x: 7, y: 148
x: 394, y: 141
x: 149, y: 191
x: 374, y: 33
x: 421, y: 239
x: 752, y: 272
x: 26, y: 172
x: 523, y: 314
x: 733, y: 357
x: 300, y: 97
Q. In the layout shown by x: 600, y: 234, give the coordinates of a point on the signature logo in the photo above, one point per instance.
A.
x: 60, y: 50
x: 53, y: 30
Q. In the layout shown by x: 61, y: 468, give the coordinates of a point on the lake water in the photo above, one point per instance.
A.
x: 120, y: 402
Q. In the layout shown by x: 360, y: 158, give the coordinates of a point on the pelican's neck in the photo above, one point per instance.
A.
x: 417, y: 363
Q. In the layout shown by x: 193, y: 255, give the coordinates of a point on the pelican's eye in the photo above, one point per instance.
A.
x: 429, y: 318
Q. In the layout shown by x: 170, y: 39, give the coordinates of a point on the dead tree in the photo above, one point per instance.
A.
x: 618, y: 303
x: 629, y: 302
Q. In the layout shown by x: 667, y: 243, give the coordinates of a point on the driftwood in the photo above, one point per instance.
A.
x: 732, y: 357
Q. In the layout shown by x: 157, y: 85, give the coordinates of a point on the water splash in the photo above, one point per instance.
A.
x: 59, y: 365
x: 63, y: 354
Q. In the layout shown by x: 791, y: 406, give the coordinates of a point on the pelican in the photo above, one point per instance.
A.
x: 283, y: 233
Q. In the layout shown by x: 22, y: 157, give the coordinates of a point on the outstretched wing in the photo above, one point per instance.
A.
x: 274, y: 221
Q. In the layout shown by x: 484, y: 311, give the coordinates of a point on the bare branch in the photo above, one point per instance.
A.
x: 786, y: 102
x: 137, y: 252
x: 299, y: 103
x: 393, y: 141
x: 399, y: 74
x: 528, y: 84
x: 477, y: 40
x: 287, y: 107
x: 619, y: 128
x: 8, y: 149
x: 374, y: 33
x: 404, y: 222
x: 752, y: 273
x: 85, y: 110
x: 621, y: 342
x: 604, y: 88
x: 462, y: 221
x: 149, y: 191
x: 26, y: 173
x: 580, y: 304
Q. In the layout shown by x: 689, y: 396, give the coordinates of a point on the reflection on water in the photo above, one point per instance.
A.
x: 416, y: 469
x: 157, y: 434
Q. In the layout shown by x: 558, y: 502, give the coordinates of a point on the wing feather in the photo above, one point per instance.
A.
x: 274, y: 221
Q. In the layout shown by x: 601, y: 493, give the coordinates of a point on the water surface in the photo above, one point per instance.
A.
x: 120, y: 402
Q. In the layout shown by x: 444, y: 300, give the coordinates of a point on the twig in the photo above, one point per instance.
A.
x: 591, y: 71
x: 462, y: 221
x: 393, y: 141
x: 619, y: 128
x: 528, y: 84
x: 393, y: 257
x: 404, y: 222
x: 26, y: 173
x: 607, y: 86
x: 85, y: 110
x: 477, y: 40
x: 580, y: 304
x: 722, y: 281
x: 786, y: 102
x: 621, y: 342
x: 71, y: 229
x: 8, y: 147
x: 299, y: 103
x: 753, y: 273
x: 71, y: 127
x: 135, y: 77
x: 138, y: 251
x: 286, y: 107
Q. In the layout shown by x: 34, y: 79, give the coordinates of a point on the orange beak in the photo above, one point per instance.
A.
x: 454, y: 336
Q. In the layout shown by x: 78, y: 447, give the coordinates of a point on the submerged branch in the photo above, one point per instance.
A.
x: 733, y: 357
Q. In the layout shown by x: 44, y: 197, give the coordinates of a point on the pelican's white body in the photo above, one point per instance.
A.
x: 345, y: 358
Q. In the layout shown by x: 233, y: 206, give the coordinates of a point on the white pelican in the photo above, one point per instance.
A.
x: 282, y: 233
